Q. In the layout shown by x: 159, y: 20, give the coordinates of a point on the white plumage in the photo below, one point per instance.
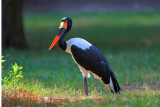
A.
x: 81, y: 43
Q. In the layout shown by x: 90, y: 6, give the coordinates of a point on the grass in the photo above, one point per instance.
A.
x: 107, y: 28
x: 129, y: 40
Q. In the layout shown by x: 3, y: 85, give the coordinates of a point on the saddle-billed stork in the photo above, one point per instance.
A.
x: 88, y: 58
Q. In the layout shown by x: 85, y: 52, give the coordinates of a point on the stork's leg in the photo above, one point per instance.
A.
x: 85, y: 87
x: 85, y: 75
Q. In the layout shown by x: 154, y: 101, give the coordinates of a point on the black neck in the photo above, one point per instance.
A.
x: 62, y: 43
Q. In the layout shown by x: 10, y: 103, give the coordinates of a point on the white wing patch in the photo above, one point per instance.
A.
x: 111, y: 85
x: 79, y: 42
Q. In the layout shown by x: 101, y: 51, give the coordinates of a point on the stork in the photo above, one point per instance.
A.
x: 88, y: 58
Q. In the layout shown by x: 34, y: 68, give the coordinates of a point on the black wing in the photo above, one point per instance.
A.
x: 92, y: 59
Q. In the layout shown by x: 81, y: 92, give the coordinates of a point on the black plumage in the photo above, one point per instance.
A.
x: 93, y: 60
x: 87, y: 57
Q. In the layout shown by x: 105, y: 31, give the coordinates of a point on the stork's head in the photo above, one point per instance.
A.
x: 66, y: 23
x: 65, y: 26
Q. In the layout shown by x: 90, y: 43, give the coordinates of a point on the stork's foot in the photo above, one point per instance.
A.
x: 85, y: 87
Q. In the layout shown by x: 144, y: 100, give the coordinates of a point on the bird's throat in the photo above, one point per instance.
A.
x: 62, y: 43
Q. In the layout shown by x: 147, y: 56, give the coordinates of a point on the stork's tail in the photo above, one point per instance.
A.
x: 114, y: 86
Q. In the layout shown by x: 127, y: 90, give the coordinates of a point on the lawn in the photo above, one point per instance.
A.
x: 129, y: 40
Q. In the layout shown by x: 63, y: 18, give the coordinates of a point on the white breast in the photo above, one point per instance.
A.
x: 79, y: 42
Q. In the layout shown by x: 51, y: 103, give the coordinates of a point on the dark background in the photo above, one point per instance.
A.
x: 88, y: 5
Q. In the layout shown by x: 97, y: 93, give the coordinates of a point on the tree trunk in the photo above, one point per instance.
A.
x: 12, y: 25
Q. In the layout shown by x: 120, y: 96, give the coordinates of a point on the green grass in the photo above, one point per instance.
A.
x: 129, y: 40
x: 106, y: 28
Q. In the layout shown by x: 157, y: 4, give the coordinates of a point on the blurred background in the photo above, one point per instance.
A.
x: 88, y: 5
x: 126, y: 31
x: 26, y: 23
